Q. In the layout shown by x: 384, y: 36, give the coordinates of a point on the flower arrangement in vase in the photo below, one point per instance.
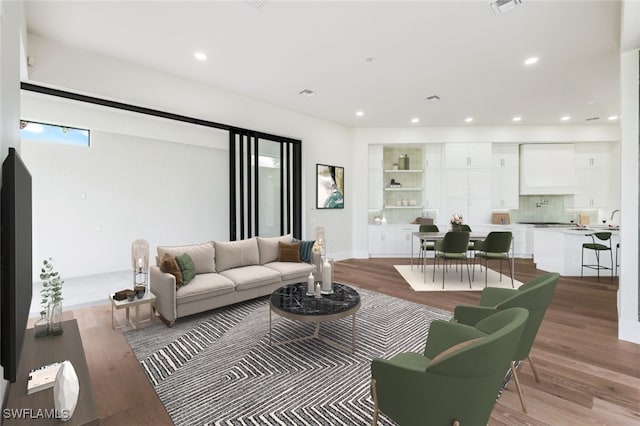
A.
x: 51, y: 296
x: 456, y: 221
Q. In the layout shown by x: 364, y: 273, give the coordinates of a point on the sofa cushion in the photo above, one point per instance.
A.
x: 203, y: 255
x: 289, y: 252
x: 268, y: 247
x: 203, y: 286
x: 168, y: 265
x: 253, y: 276
x: 306, y: 250
x: 233, y: 254
x: 290, y: 270
x: 187, y: 268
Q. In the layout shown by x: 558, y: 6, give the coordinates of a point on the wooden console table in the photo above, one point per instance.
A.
x: 42, y: 351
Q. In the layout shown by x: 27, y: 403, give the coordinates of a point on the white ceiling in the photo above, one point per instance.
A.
x: 458, y: 50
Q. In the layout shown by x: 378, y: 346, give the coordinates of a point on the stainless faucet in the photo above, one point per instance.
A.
x: 612, y: 213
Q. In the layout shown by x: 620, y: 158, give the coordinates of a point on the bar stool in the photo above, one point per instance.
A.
x: 597, y: 247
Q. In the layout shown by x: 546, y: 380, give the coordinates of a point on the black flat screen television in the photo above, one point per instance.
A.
x: 15, y: 260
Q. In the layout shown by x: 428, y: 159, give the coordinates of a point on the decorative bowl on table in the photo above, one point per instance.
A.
x: 140, y: 290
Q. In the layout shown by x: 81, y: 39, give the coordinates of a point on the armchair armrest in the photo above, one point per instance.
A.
x: 445, y: 334
x: 471, y: 314
x: 163, y: 285
x: 492, y: 296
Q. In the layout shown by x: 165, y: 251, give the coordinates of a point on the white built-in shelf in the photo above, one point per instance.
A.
x: 403, y: 171
x: 403, y: 207
x: 403, y: 189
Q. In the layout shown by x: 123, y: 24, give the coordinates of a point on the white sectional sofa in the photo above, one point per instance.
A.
x: 226, y: 273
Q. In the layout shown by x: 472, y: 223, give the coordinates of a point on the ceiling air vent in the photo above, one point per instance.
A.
x: 432, y: 98
x: 306, y: 92
x: 592, y: 119
x: 501, y: 6
x: 256, y: 3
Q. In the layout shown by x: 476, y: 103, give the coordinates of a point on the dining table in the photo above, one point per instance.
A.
x: 437, y: 236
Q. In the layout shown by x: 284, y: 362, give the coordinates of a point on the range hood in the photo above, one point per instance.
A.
x: 547, y: 169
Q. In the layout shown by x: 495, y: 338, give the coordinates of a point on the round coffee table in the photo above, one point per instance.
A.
x: 292, y: 302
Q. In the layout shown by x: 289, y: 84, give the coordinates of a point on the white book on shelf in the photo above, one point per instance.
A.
x: 43, y: 377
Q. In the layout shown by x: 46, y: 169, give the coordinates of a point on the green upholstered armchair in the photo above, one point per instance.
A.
x: 535, y: 295
x: 456, y: 379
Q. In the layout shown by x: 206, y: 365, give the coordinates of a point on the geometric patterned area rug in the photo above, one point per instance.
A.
x: 452, y: 282
x: 217, y: 368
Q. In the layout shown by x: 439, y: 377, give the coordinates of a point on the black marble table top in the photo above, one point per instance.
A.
x: 292, y: 299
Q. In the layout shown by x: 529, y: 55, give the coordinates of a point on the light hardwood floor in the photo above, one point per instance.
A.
x: 587, y: 375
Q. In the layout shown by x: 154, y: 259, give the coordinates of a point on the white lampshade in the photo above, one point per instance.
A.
x: 140, y: 255
x: 66, y: 390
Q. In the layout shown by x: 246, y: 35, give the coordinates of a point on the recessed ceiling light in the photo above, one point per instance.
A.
x: 613, y: 117
x: 200, y: 56
x: 415, y: 120
x: 530, y: 61
x: 306, y: 92
x: 359, y: 113
x: 468, y: 119
x: 517, y: 118
x: 565, y: 118
x: 591, y: 102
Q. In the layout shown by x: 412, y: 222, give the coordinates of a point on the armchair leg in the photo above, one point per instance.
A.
x: 376, y: 410
x: 533, y: 368
x: 515, y: 377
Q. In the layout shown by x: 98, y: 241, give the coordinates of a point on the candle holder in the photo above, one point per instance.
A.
x: 140, y: 262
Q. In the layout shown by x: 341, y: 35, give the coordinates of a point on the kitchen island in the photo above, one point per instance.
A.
x: 559, y: 249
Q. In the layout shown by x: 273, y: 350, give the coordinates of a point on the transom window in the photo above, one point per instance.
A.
x: 53, y: 133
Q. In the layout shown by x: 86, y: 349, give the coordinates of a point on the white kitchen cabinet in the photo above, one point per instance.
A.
x: 392, y: 240
x: 432, y: 189
x: 432, y: 156
x: 505, y: 174
x: 592, y: 155
x: 505, y: 189
x: 592, y: 169
x: 467, y: 181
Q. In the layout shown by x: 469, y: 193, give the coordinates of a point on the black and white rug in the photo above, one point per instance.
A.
x: 218, y: 368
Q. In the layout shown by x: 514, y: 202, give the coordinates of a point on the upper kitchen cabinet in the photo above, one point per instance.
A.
x: 593, y: 172
x: 505, y: 184
x: 432, y: 176
x: 467, y: 181
x: 468, y: 155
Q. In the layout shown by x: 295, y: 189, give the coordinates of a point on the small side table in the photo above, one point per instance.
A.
x: 148, y: 298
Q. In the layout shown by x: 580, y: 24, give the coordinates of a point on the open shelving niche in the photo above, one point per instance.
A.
x: 403, y: 204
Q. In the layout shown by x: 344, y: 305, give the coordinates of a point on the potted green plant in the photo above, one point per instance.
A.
x: 52, y: 296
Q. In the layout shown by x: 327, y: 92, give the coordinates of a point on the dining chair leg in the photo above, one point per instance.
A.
x: 468, y: 274
x: 444, y: 270
x: 515, y: 377
x: 533, y: 368
x: 511, y: 272
x: 486, y: 269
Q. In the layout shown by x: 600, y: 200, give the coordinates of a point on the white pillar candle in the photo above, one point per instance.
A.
x: 326, y: 276
x: 310, y: 284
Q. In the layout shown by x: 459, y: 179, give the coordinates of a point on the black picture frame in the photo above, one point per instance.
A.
x: 329, y: 187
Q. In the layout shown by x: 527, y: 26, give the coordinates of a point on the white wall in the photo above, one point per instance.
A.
x: 91, y: 203
x: 69, y: 68
x: 628, y: 323
x: 11, y: 16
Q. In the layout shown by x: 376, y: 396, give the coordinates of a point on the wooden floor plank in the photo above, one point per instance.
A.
x: 587, y: 375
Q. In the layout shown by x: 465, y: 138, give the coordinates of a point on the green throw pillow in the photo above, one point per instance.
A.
x: 306, y: 250
x: 187, y: 268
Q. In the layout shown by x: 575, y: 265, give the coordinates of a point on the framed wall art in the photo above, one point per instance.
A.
x: 329, y: 187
